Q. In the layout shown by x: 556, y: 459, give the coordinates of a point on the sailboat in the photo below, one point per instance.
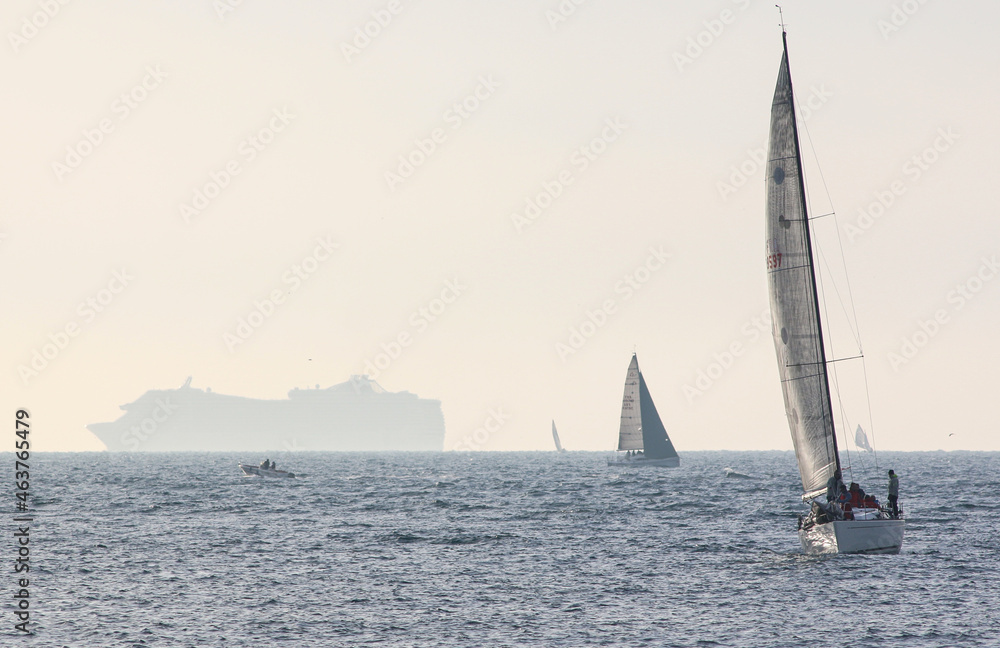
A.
x: 798, y: 343
x: 642, y: 439
x: 555, y: 437
x: 861, y: 440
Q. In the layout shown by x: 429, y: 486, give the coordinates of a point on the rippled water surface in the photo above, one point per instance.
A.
x: 496, y: 549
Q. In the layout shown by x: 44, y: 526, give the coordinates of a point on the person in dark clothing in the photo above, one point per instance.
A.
x: 834, y: 486
x: 894, y: 494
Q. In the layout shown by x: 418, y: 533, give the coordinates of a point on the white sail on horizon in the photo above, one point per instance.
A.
x: 630, y: 429
x: 861, y: 440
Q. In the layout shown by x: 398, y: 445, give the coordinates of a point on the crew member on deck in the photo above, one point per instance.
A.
x: 894, y: 494
x: 857, y: 495
x: 834, y: 486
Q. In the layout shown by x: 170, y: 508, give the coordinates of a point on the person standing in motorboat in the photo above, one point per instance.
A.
x: 894, y: 494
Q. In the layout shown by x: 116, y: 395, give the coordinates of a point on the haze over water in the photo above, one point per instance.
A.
x: 210, y: 188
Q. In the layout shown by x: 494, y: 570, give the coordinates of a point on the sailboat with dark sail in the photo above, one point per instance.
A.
x: 830, y: 527
x: 642, y: 439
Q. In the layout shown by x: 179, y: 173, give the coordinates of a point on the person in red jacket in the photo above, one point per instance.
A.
x: 857, y: 496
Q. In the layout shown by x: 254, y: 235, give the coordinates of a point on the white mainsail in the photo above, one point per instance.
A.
x: 630, y: 430
x: 798, y: 335
x: 555, y: 437
x: 861, y: 440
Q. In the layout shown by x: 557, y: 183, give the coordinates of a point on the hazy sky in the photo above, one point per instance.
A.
x: 467, y: 186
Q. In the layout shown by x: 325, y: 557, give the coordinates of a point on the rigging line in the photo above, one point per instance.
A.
x: 844, y: 427
x: 832, y: 376
x: 807, y: 377
x: 833, y: 212
x: 871, y: 425
x: 856, y: 329
x: 806, y: 364
x: 851, y: 319
x: 798, y: 267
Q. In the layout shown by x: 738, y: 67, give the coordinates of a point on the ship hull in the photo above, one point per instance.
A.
x: 853, y: 536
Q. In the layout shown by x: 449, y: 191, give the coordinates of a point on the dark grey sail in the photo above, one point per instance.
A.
x: 798, y: 336
x: 656, y: 444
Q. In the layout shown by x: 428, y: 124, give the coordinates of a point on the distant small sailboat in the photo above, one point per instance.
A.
x: 799, y: 346
x: 555, y: 437
x: 642, y: 439
x: 861, y: 440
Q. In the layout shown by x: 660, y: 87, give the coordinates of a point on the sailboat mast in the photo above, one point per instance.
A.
x: 809, y: 249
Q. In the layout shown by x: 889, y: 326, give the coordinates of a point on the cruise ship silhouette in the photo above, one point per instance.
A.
x: 357, y: 415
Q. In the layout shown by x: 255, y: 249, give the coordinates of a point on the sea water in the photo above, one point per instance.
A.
x: 492, y: 550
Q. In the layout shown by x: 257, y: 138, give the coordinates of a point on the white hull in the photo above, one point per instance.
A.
x: 264, y: 472
x: 853, y: 536
x: 669, y: 462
